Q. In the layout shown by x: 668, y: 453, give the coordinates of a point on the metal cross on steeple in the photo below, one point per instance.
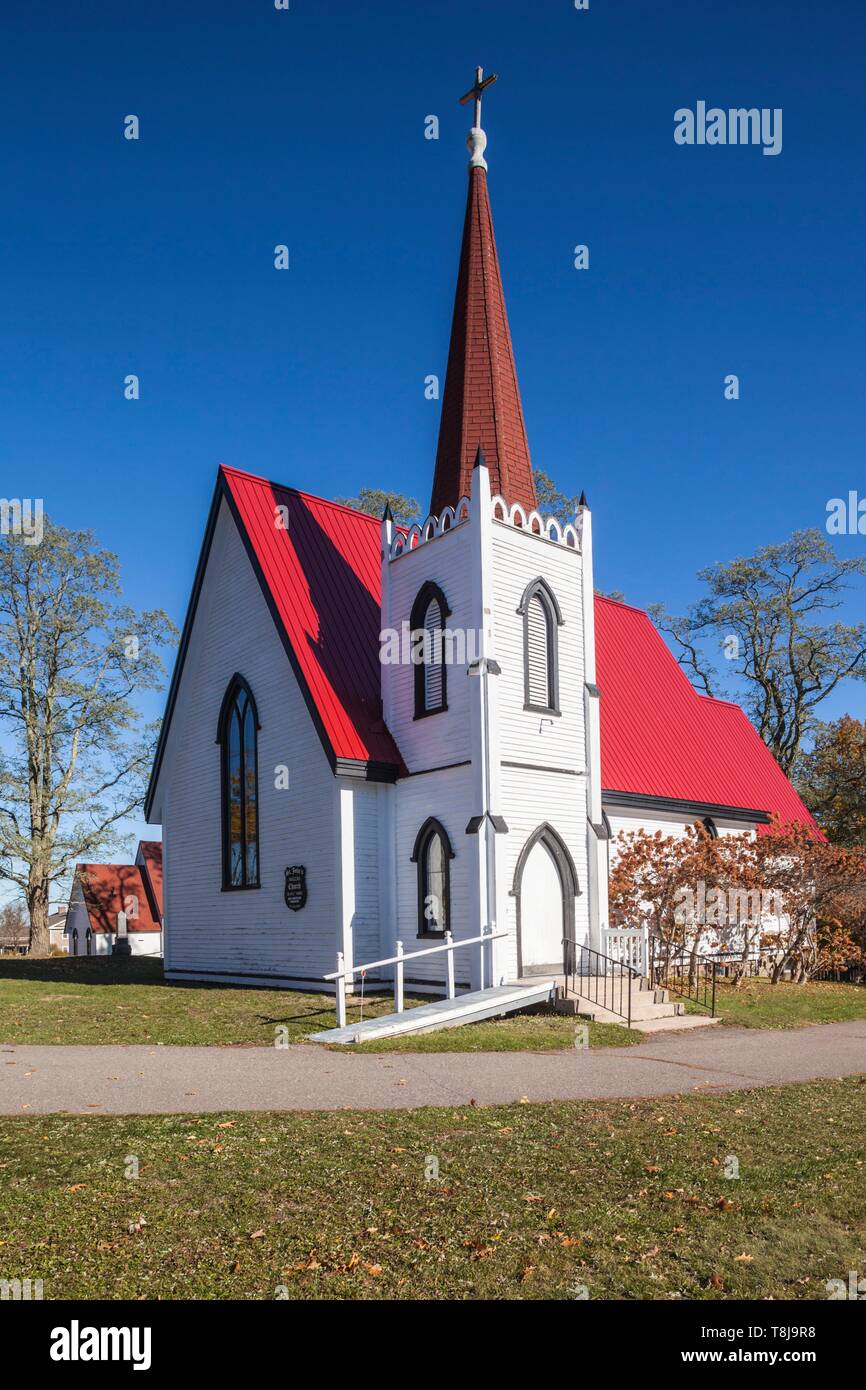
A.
x: 481, y: 82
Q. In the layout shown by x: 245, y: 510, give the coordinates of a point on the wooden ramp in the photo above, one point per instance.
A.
x: 444, y: 1013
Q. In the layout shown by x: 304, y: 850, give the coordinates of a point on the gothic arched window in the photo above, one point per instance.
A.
x: 432, y: 854
x: 237, y: 737
x: 429, y: 612
x: 89, y: 939
x: 710, y: 826
x: 541, y: 622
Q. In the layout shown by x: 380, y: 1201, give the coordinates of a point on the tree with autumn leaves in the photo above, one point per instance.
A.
x: 798, y: 899
x: 831, y: 778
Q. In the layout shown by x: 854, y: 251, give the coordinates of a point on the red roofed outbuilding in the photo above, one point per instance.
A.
x: 101, y: 892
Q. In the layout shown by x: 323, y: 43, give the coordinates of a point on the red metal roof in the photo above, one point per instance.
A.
x: 150, y: 854
x: 322, y: 574
x: 108, y: 889
x: 661, y: 738
x: 481, y: 401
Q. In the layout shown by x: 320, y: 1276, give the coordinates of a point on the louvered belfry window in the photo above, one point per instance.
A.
x: 537, y: 653
x: 541, y: 622
x: 429, y: 614
x: 433, y: 656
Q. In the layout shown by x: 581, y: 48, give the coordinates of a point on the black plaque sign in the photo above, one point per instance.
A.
x: 296, y: 887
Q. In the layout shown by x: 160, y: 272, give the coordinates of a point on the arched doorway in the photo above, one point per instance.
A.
x: 545, y: 885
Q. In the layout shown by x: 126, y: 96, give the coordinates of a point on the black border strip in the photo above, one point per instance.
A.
x: 643, y: 802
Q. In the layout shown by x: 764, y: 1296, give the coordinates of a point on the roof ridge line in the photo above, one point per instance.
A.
x: 301, y: 492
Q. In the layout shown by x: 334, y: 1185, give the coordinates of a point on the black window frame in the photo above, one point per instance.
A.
x: 426, y: 594
x: 711, y: 828
x: 539, y: 588
x: 432, y: 827
x: 236, y: 685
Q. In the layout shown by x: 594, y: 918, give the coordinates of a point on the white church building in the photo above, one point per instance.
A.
x: 377, y: 734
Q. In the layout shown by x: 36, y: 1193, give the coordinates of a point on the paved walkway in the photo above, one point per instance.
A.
x: 166, y: 1080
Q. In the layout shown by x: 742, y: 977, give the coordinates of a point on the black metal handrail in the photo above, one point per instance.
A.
x: 687, y: 974
x: 599, y: 979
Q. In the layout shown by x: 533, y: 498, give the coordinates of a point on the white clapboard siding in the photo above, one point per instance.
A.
x: 525, y: 735
x: 657, y: 821
x: 447, y: 795
x: 444, y: 737
x: 248, y: 935
x: 530, y: 798
x: 543, y: 758
x: 363, y: 920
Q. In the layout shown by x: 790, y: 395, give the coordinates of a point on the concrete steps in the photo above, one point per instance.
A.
x: 681, y: 1024
x: 650, y: 1008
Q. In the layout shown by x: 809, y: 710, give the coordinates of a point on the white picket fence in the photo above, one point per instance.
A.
x: 629, y: 946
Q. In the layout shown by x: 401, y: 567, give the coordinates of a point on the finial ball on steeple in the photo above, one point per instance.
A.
x: 476, y: 143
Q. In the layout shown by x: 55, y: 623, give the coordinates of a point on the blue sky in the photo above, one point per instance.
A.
x: 306, y: 127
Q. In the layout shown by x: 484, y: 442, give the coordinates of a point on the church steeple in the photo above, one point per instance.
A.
x: 481, y: 402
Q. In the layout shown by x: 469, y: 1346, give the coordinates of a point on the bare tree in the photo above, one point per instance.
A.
x: 14, y: 927
x: 76, y: 751
x: 770, y: 615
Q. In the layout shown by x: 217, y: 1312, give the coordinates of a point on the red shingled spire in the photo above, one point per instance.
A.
x: 481, y: 402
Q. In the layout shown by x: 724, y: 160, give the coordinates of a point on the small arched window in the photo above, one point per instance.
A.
x: 75, y: 941
x: 710, y: 826
x: 427, y: 623
x: 541, y: 622
x: 237, y: 736
x: 433, y: 854
x: 89, y: 939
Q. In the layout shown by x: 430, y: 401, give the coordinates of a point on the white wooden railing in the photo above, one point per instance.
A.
x: 449, y: 946
x: 629, y: 945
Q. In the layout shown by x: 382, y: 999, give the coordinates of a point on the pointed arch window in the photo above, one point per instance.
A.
x: 542, y: 620
x: 429, y: 612
x: 237, y: 735
x: 433, y: 855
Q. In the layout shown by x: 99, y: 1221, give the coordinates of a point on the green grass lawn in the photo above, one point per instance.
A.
x: 759, y: 1004
x: 101, y: 1001
x: 66, y: 1000
x: 625, y: 1199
